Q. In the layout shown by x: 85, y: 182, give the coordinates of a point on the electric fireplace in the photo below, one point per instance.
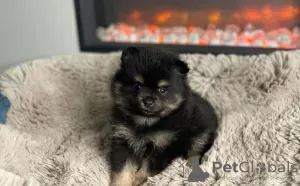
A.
x: 189, y: 26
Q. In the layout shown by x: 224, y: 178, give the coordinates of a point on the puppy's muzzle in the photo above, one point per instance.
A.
x: 148, y: 102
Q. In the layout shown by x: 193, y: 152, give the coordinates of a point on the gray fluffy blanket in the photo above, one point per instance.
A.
x: 57, y: 129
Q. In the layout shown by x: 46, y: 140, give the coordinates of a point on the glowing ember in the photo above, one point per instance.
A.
x: 231, y: 35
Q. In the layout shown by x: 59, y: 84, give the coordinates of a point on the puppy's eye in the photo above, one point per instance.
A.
x: 136, y: 87
x: 162, y: 90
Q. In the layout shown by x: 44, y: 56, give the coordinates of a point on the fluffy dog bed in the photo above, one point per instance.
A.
x: 57, y: 133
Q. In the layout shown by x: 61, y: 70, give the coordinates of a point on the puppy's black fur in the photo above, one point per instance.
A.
x: 158, y: 116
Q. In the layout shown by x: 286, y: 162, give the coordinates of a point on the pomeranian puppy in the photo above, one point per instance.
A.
x: 158, y: 117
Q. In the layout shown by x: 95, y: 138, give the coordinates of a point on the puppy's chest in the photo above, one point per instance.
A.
x: 137, y: 140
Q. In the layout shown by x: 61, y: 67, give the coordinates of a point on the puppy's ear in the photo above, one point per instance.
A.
x: 127, y: 52
x: 181, y: 67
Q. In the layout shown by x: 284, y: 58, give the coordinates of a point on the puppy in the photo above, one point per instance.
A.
x: 158, y: 117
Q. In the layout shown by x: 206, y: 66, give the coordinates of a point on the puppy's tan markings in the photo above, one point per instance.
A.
x: 139, y: 79
x: 127, y: 133
x: 126, y: 176
x: 142, y: 120
x: 161, y: 139
x: 172, y: 105
x: 162, y: 83
x: 142, y: 174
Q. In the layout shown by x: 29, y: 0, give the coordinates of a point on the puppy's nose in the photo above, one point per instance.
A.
x: 148, y: 101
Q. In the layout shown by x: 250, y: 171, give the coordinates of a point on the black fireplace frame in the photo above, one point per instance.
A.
x: 86, y: 24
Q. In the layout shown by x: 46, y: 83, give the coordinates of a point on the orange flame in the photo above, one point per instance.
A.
x: 252, y: 15
x: 214, y: 17
x: 289, y: 12
x: 163, y: 16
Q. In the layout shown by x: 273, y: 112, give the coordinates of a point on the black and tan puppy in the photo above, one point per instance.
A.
x: 159, y: 118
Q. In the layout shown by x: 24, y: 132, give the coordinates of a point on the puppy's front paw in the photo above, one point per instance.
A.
x: 139, y: 182
x: 122, y: 179
x: 121, y: 182
x: 141, y: 175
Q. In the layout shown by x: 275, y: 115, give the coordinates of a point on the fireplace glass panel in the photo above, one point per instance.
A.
x: 238, y: 23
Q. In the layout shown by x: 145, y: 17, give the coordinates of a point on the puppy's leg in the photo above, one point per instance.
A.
x: 142, y: 174
x: 159, y: 162
x: 124, y: 177
x: 200, y: 145
x: 123, y: 166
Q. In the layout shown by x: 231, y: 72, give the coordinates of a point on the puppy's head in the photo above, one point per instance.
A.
x: 150, y: 83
